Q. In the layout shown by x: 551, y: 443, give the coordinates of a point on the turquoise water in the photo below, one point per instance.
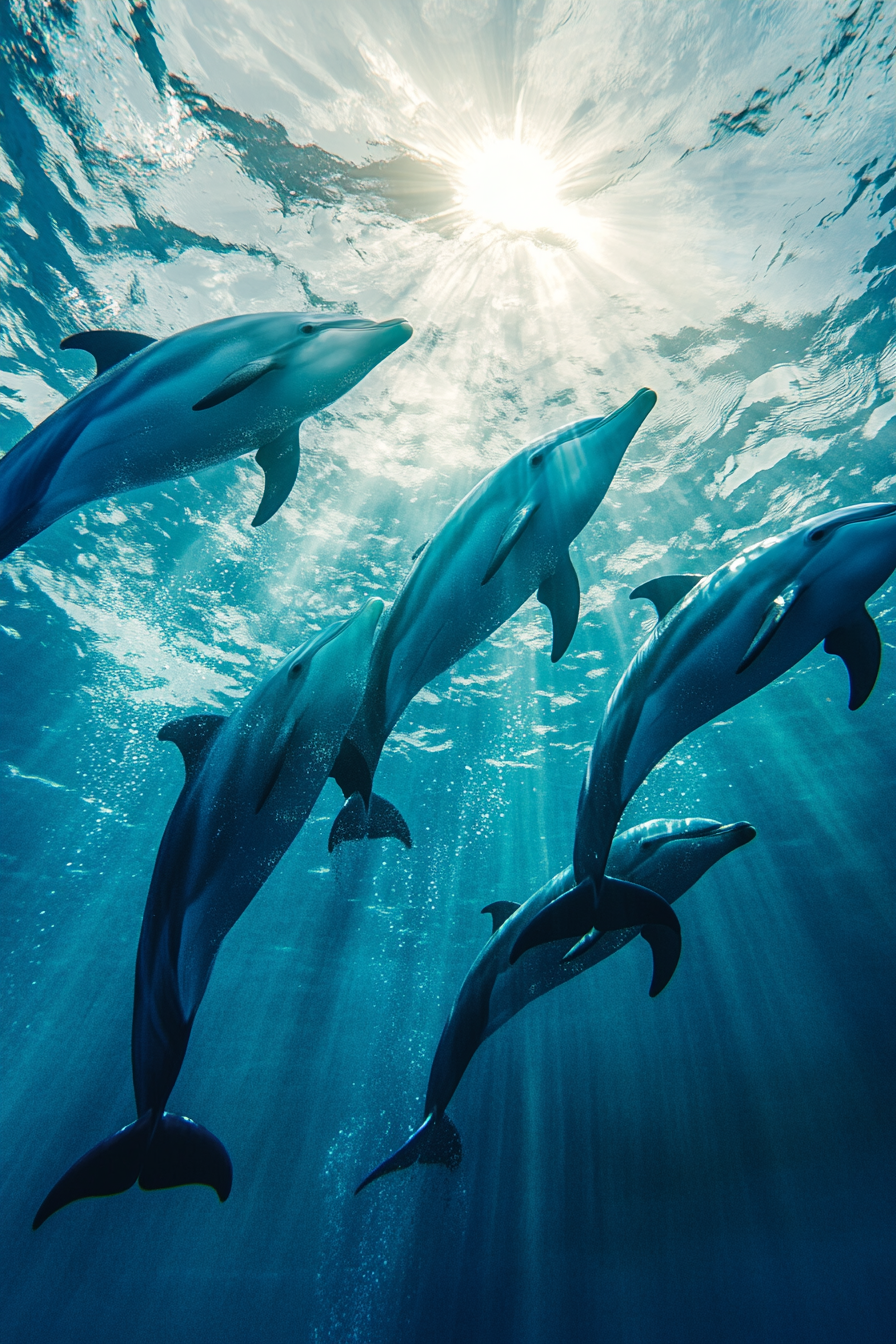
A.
x: 715, y: 1165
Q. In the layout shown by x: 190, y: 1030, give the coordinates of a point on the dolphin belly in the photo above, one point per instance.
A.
x: 118, y: 452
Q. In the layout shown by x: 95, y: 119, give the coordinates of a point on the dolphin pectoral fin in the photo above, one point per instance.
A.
x: 350, y: 823
x: 420, y: 549
x: 279, y: 754
x: 569, y: 916
x: 184, y: 1153
x: 665, y: 944
x: 858, y: 644
x: 436, y: 1142
x: 666, y: 592
x: 624, y: 905
x: 107, y: 347
x: 582, y: 946
x: 279, y: 460
x: 108, y: 1169
x: 443, y: 1146
x: 560, y: 594
x: 384, y: 822
x: 192, y: 735
x: 500, y: 912
x: 238, y: 381
x: 510, y: 536
x: 773, y: 617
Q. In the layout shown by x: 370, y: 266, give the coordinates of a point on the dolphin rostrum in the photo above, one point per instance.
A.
x: 158, y: 409
x: 251, y: 781
x: 509, y: 537
x: 668, y: 856
x: 718, y: 640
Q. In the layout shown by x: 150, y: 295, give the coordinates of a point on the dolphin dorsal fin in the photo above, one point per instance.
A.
x: 511, y: 535
x: 192, y: 735
x: 500, y: 912
x: 666, y: 592
x: 238, y: 381
x: 560, y: 594
x: 279, y: 460
x: 857, y: 642
x: 107, y: 347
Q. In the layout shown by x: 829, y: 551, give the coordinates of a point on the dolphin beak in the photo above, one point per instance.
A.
x: 398, y: 331
x: 370, y: 613
x: 739, y: 832
x: 620, y: 427
x: 636, y: 409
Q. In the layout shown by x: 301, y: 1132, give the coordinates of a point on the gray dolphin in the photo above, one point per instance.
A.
x: 159, y: 409
x: 718, y: 640
x: 509, y: 537
x: 668, y: 856
x: 251, y: 780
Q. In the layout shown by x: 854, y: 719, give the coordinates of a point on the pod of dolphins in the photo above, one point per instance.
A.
x: 160, y: 409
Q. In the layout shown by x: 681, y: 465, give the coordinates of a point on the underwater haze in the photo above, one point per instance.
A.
x: 568, y: 200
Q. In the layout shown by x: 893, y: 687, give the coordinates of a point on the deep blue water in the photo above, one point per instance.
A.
x: 715, y: 1165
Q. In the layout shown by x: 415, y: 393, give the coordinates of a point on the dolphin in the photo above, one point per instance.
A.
x: 251, y: 780
x: 158, y: 409
x: 718, y: 640
x: 668, y: 856
x: 509, y: 537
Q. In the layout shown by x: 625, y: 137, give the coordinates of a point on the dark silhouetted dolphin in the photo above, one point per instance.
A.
x: 251, y: 780
x: 718, y: 640
x: 666, y: 856
x: 509, y: 537
x: 159, y: 409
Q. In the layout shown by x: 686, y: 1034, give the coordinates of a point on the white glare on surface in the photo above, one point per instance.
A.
x: 511, y: 184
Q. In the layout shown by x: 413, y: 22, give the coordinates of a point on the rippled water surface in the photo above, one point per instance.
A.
x: 707, y: 210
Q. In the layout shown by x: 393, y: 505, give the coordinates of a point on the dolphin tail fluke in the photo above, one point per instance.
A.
x: 435, y: 1143
x: 621, y: 905
x: 569, y: 916
x: 350, y: 823
x: 625, y: 905
x: 380, y: 821
x: 184, y: 1153
x: 108, y: 1169
x: 179, y: 1152
x: 384, y: 821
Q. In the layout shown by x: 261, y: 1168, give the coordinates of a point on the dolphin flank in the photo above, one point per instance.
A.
x: 718, y: 640
x: 251, y: 781
x: 159, y: 409
x: 508, y: 538
x: 669, y: 856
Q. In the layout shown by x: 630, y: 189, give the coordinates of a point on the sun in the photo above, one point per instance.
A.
x: 512, y: 185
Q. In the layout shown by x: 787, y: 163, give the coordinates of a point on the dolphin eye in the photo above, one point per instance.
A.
x: 536, y: 459
x: 308, y: 329
x: 817, y: 534
x: 294, y: 671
